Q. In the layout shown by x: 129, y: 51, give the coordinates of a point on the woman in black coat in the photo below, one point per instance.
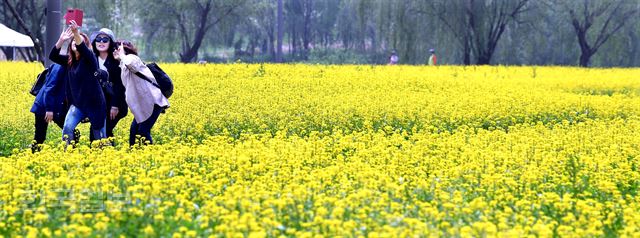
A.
x: 103, y: 45
x: 83, y: 88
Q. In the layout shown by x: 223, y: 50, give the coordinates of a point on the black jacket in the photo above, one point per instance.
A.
x: 118, y: 99
x: 83, y: 89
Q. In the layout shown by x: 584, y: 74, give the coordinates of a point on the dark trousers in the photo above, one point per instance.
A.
x: 143, y: 129
x: 42, y: 125
x: 112, y: 123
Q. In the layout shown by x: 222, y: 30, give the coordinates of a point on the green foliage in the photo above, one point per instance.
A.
x: 462, y: 32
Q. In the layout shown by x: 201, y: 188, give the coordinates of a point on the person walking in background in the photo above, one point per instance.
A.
x: 50, y: 105
x: 432, y: 59
x: 144, y: 99
x: 83, y: 87
x: 103, y: 45
x: 393, y: 59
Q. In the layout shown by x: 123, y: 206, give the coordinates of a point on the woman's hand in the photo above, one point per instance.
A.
x: 114, y: 112
x: 66, y: 35
x: 76, y: 32
x: 74, y: 27
x: 48, y: 117
x: 118, y: 53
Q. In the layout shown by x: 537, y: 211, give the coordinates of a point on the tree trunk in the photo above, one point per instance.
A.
x: 466, y: 54
x: 306, y: 34
x: 585, y: 49
x: 253, y: 43
x: 189, y: 50
x: 24, y: 53
x: 149, y: 41
x: 374, y: 41
x: 633, y: 52
x: 484, y: 58
x: 280, y: 32
x: 293, y: 38
x: 585, y: 58
x: 190, y: 54
x: 271, y: 45
x: 34, y: 37
x: 8, y: 52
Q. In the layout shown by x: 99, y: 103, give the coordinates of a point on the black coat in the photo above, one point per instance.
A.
x: 83, y: 89
x: 118, y: 99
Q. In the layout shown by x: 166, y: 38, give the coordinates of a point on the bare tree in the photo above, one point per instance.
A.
x: 195, y: 18
x: 30, y: 20
x: 478, y: 25
x: 595, y: 22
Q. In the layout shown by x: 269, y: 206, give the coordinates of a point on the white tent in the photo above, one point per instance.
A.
x: 11, y: 38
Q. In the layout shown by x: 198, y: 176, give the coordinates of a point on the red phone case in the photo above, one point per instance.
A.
x: 74, y: 14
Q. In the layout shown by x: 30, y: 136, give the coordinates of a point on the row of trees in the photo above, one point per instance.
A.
x: 541, y: 32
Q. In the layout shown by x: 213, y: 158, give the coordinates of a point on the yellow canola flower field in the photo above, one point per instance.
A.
x: 250, y: 150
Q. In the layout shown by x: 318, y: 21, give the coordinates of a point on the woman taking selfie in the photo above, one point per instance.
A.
x: 83, y: 89
x: 103, y: 44
x: 144, y: 99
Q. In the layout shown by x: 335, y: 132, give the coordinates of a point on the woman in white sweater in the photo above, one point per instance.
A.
x: 145, y: 100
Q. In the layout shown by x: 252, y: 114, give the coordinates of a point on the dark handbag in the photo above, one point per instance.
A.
x: 107, y: 88
x: 103, y: 80
x: 37, y: 85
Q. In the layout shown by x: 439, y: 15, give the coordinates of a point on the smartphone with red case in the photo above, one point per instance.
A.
x: 74, y: 14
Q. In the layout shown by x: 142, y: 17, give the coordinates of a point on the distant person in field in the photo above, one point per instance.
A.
x: 393, y: 59
x: 433, y: 60
x: 51, y: 105
x: 83, y: 87
x: 103, y: 44
x: 144, y: 99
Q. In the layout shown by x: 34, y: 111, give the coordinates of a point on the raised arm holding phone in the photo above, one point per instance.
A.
x: 83, y: 88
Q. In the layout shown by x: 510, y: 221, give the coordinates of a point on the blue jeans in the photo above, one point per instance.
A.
x: 74, y: 116
x: 144, y: 128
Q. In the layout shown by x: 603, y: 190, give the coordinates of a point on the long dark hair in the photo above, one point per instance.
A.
x: 72, y: 55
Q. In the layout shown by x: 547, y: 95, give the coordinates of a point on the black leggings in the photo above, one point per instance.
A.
x: 112, y: 123
x: 144, y: 128
x: 42, y: 125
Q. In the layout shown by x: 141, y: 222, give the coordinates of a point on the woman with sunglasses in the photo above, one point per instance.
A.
x: 144, y: 99
x: 83, y: 88
x: 103, y: 44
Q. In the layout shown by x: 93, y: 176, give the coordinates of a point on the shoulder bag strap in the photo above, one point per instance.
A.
x: 142, y: 76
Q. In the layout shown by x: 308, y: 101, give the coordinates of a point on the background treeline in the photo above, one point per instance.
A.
x: 511, y: 32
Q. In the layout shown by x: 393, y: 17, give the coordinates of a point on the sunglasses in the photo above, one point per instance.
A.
x: 123, y: 42
x: 102, y: 39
